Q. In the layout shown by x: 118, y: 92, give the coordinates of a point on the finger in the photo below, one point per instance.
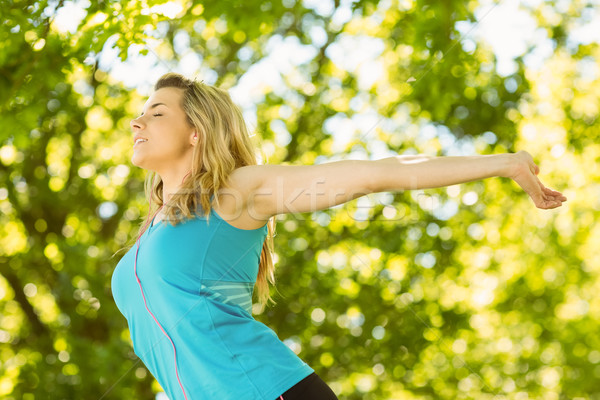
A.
x: 551, y: 199
x: 544, y: 188
x: 548, y: 190
x: 556, y: 203
x: 550, y: 204
x: 556, y: 194
x: 553, y: 191
x: 559, y: 197
x: 554, y: 197
x: 540, y: 194
x: 533, y: 169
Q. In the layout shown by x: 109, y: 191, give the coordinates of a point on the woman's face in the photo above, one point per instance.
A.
x: 164, y: 124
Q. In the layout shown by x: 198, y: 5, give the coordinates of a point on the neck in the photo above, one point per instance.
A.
x: 172, y: 182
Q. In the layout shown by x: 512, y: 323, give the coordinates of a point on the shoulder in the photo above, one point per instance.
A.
x: 246, y: 178
x: 241, y: 184
x: 253, y: 176
x: 237, y: 194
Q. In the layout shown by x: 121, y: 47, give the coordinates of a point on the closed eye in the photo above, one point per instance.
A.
x: 157, y: 115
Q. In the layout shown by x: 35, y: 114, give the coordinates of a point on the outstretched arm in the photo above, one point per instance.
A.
x: 425, y: 172
x: 279, y: 189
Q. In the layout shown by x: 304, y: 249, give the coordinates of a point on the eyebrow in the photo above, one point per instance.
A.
x: 156, y: 105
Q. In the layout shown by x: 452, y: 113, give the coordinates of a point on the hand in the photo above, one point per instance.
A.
x: 523, y: 170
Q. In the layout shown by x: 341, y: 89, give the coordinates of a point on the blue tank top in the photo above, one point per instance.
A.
x: 197, y: 279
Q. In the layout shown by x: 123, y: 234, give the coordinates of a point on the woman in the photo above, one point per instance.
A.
x: 187, y: 294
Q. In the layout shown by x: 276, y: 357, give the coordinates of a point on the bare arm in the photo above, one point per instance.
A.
x: 279, y: 189
x: 426, y: 172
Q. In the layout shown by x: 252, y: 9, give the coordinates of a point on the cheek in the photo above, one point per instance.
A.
x: 171, y: 135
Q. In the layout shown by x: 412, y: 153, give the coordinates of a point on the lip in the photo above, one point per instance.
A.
x: 138, y: 137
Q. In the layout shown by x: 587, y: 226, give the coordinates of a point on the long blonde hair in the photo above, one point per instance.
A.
x: 224, y: 144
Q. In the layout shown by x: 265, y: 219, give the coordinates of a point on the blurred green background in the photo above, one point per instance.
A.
x: 464, y: 292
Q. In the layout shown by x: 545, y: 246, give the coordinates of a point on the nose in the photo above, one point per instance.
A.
x: 135, y: 123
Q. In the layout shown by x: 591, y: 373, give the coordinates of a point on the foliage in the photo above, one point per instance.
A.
x: 450, y: 293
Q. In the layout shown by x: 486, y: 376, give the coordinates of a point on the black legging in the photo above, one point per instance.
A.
x: 310, y: 388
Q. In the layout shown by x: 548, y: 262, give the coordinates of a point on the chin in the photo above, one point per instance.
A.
x: 138, y: 163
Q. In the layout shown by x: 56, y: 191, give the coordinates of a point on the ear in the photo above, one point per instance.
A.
x: 195, y: 139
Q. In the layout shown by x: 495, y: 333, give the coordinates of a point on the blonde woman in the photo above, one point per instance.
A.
x: 186, y: 287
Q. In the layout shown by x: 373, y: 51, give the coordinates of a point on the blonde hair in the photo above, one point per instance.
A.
x: 224, y: 144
